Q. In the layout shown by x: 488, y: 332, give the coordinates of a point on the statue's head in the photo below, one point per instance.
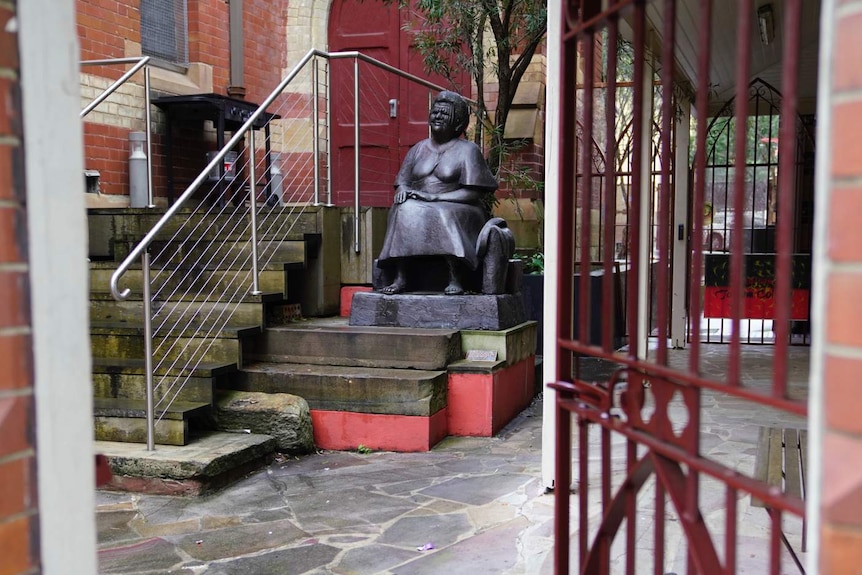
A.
x: 460, y: 112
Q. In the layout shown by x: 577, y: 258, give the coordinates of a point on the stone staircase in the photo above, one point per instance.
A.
x: 382, y: 388
x: 391, y: 388
x: 189, y: 272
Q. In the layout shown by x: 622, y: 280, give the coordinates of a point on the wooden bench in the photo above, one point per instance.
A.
x: 781, y: 462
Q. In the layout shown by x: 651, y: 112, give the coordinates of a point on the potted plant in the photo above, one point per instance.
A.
x: 533, y: 284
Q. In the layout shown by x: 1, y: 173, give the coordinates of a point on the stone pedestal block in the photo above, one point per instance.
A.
x: 485, y: 312
x: 485, y: 396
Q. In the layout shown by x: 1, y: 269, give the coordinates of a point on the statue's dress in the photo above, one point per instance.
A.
x: 438, y: 228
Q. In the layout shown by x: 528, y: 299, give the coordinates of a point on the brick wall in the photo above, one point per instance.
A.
x: 19, y: 539
x: 841, y: 504
x: 111, y: 28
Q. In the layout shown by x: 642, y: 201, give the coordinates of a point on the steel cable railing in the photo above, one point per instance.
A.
x: 202, y: 260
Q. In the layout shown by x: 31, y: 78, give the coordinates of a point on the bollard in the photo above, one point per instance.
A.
x: 138, y: 196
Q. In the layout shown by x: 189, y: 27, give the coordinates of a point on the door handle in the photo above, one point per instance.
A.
x: 393, y: 108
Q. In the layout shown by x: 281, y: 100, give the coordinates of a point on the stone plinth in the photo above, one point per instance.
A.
x: 485, y: 312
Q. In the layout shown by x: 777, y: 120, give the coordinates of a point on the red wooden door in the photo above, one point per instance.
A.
x: 373, y: 29
x: 393, y: 111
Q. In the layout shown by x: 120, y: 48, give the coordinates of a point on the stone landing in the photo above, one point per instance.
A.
x: 209, y: 463
x: 434, y: 310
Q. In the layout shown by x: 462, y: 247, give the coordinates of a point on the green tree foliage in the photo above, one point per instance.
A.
x: 452, y: 38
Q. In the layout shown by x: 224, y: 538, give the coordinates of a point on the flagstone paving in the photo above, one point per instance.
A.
x: 470, y: 506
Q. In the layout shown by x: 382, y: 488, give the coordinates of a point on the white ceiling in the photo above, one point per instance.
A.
x: 766, y: 60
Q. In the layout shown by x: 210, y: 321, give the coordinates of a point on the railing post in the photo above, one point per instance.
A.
x: 148, y: 351
x: 255, y: 281
x: 356, y: 155
x: 315, y: 142
x: 328, y: 132
x: 147, y: 119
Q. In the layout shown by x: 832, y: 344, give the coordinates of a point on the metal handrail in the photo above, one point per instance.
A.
x: 142, y: 249
x: 140, y: 62
x: 135, y: 254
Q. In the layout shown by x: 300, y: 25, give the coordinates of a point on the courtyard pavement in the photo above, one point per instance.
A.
x: 470, y: 506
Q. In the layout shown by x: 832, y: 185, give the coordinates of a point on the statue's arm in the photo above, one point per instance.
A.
x: 465, y: 195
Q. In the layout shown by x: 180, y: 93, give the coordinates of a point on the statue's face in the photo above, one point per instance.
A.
x: 442, y: 121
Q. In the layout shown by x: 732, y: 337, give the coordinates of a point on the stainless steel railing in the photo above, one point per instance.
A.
x: 186, y: 305
x: 139, y: 62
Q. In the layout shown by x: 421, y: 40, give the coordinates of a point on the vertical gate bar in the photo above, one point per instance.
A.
x: 691, y: 437
x: 610, y: 196
x: 583, y: 491
x: 658, y: 552
x: 637, y: 187
x: 562, y: 489
x: 697, y: 235
x: 737, y: 262
x: 749, y: 246
x: 728, y: 197
x: 606, y: 468
x: 775, y: 542
x: 730, y: 531
x: 631, y: 509
x: 356, y: 151
x: 667, y: 103
x: 606, y: 484
x: 566, y: 215
x: 568, y: 145
x: 786, y: 180
x: 585, y: 192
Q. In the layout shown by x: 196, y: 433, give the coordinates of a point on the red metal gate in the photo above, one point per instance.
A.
x: 639, y: 410
x: 758, y: 220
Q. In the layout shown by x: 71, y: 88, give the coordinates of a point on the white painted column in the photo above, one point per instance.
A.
x: 680, y: 218
x: 56, y: 218
x: 820, y: 269
x: 645, y: 277
x: 552, y: 209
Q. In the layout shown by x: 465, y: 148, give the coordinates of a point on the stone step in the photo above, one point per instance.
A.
x: 189, y: 344
x: 126, y: 379
x: 349, y: 389
x: 244, y: 309
x: 126, y: 420
x: 330, y: 341
x: 211, y: 461
x: 271, y: 279
x: 108, y: 226
x: 217, y: 253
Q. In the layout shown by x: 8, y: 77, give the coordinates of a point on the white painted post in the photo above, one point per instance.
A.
x: 680, y: 218
x: 552, y: 171
x: 57, y: 234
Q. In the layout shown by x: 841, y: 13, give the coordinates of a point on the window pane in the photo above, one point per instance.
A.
x: 164, y: 30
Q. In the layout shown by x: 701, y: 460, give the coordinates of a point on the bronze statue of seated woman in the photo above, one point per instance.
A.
x: 440, y: 212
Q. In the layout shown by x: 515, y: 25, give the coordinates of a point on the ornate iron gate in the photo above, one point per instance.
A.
x: 758, y: 220
x: 639, y: 409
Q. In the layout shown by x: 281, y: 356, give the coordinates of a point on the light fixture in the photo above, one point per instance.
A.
x: 766, y: 24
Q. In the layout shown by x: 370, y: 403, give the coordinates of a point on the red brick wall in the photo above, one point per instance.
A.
x: 841, y: 504
x: 103, y: 28
x: 104, y: 25
x: 19, y: 552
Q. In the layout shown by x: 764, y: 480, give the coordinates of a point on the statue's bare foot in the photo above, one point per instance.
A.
x: 454, y: 288
x: 397, y: 286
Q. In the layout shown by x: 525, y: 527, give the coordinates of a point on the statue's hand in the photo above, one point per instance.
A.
x: 420, y: 195
x: 400, y: 196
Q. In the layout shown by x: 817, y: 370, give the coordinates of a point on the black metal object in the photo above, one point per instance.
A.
x: 227, y: 115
